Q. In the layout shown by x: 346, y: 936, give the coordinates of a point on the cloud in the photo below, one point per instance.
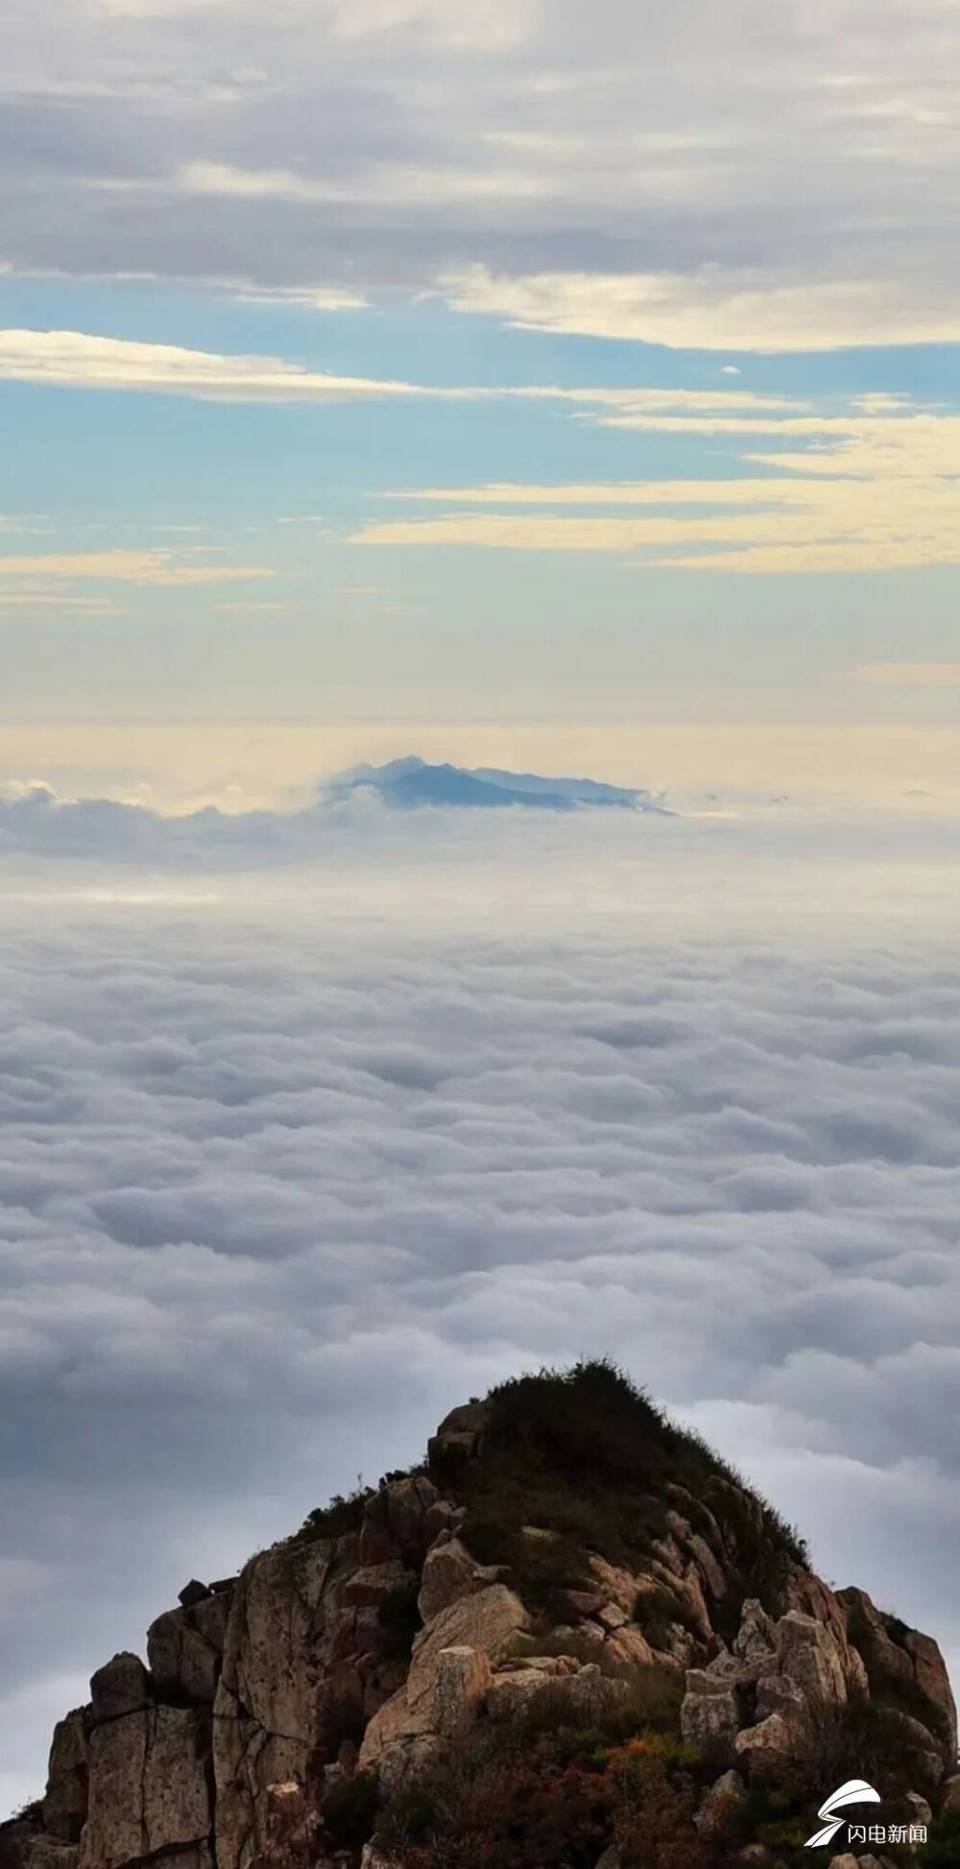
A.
x: 399, y: 183
x: 77, y: 360
x: 709, y: 309
x: 125, y: 567
x: 872, y: 488
x: 279, y: 1184
x: 623, y: 171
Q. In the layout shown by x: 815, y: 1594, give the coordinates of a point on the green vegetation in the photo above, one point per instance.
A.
x: 343, y: 1514
x: 586, y: 1455
x: 943, y: 1848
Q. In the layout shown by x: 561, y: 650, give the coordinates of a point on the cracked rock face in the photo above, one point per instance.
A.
x: 265, y: 1716
x: 149, y: 1790
x: 65, y: 1802
x: 185, y: 1649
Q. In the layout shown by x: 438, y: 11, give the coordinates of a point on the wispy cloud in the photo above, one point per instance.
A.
x: 77, y: 360
x: 382, y: 183
x: 128, y: 567
x: 878, y: 490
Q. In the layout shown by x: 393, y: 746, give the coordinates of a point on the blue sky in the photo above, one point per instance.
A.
x: 706, y: 283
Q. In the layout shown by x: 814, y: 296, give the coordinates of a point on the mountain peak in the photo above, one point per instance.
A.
x: 412, y: 783
x: 573, y: 1634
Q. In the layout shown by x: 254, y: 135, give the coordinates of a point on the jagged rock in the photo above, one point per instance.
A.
x: 617, y: 1585
x: 370, y: 1586
x: 710, y: 1712
x: 397, y: 1521
x: 708, y: 1566
x: 192, y: 1592
x: 441, y: 1693
x: 585, y: 1692
x: 489, y: 1621
x: 539, y: 1664
x: 777, y: 1693
x: 611, y: 1859
x: 753, y: 1856
x: 25, y: 1847
x: 121, y: 1686
x: 910, y: 1668
x: 584, y: 1602
x: 808, y: 1651
x: 629, y: 1646
x: 755, y: 1639
x: 185, y: 1649
x: 65, y: 1800
x: 462, y: 1679
x: 449, y: 1572
x: 291, y: 1822
x: 514, y: 1692
x: 148, y: 1790
x: 846, y: 1861
x: 717, y: 1805
x: 460, y: 1434
x: 267, y: 1710
x: 920, y: 1810
x: 765, y: 1750
x: 914, y: 1740
x: 726, y: 1667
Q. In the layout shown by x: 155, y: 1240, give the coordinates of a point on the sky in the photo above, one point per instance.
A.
x: 572, y: 389
x: 377, y: 368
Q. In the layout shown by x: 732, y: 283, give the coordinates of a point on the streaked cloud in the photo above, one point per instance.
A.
x: 128, y: 567
x: 876, y: 488
x: 77, y: 360
x: 394, y: 182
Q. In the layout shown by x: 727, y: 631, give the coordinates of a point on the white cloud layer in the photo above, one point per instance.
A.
x: 276, y: 1189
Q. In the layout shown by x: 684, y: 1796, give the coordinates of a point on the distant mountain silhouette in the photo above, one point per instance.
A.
x: 408, y: 783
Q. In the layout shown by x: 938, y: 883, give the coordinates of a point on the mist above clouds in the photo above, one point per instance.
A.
x: 279, y: 1186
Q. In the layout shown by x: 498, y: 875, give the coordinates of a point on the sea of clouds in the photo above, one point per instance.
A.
x: 293, y: 1159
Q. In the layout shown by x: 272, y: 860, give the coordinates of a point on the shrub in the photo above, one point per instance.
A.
x: 350, y: 1809
x: 860, y: 1740
x: 943, y: 1847
x: 585, y: 1454
x: 516, y: 1797
x: 343, y: 1514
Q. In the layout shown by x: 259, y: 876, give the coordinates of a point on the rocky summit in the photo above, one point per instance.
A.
x: 572, y: 1638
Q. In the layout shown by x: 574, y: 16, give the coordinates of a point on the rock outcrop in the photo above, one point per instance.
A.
x: 365, y: 1649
